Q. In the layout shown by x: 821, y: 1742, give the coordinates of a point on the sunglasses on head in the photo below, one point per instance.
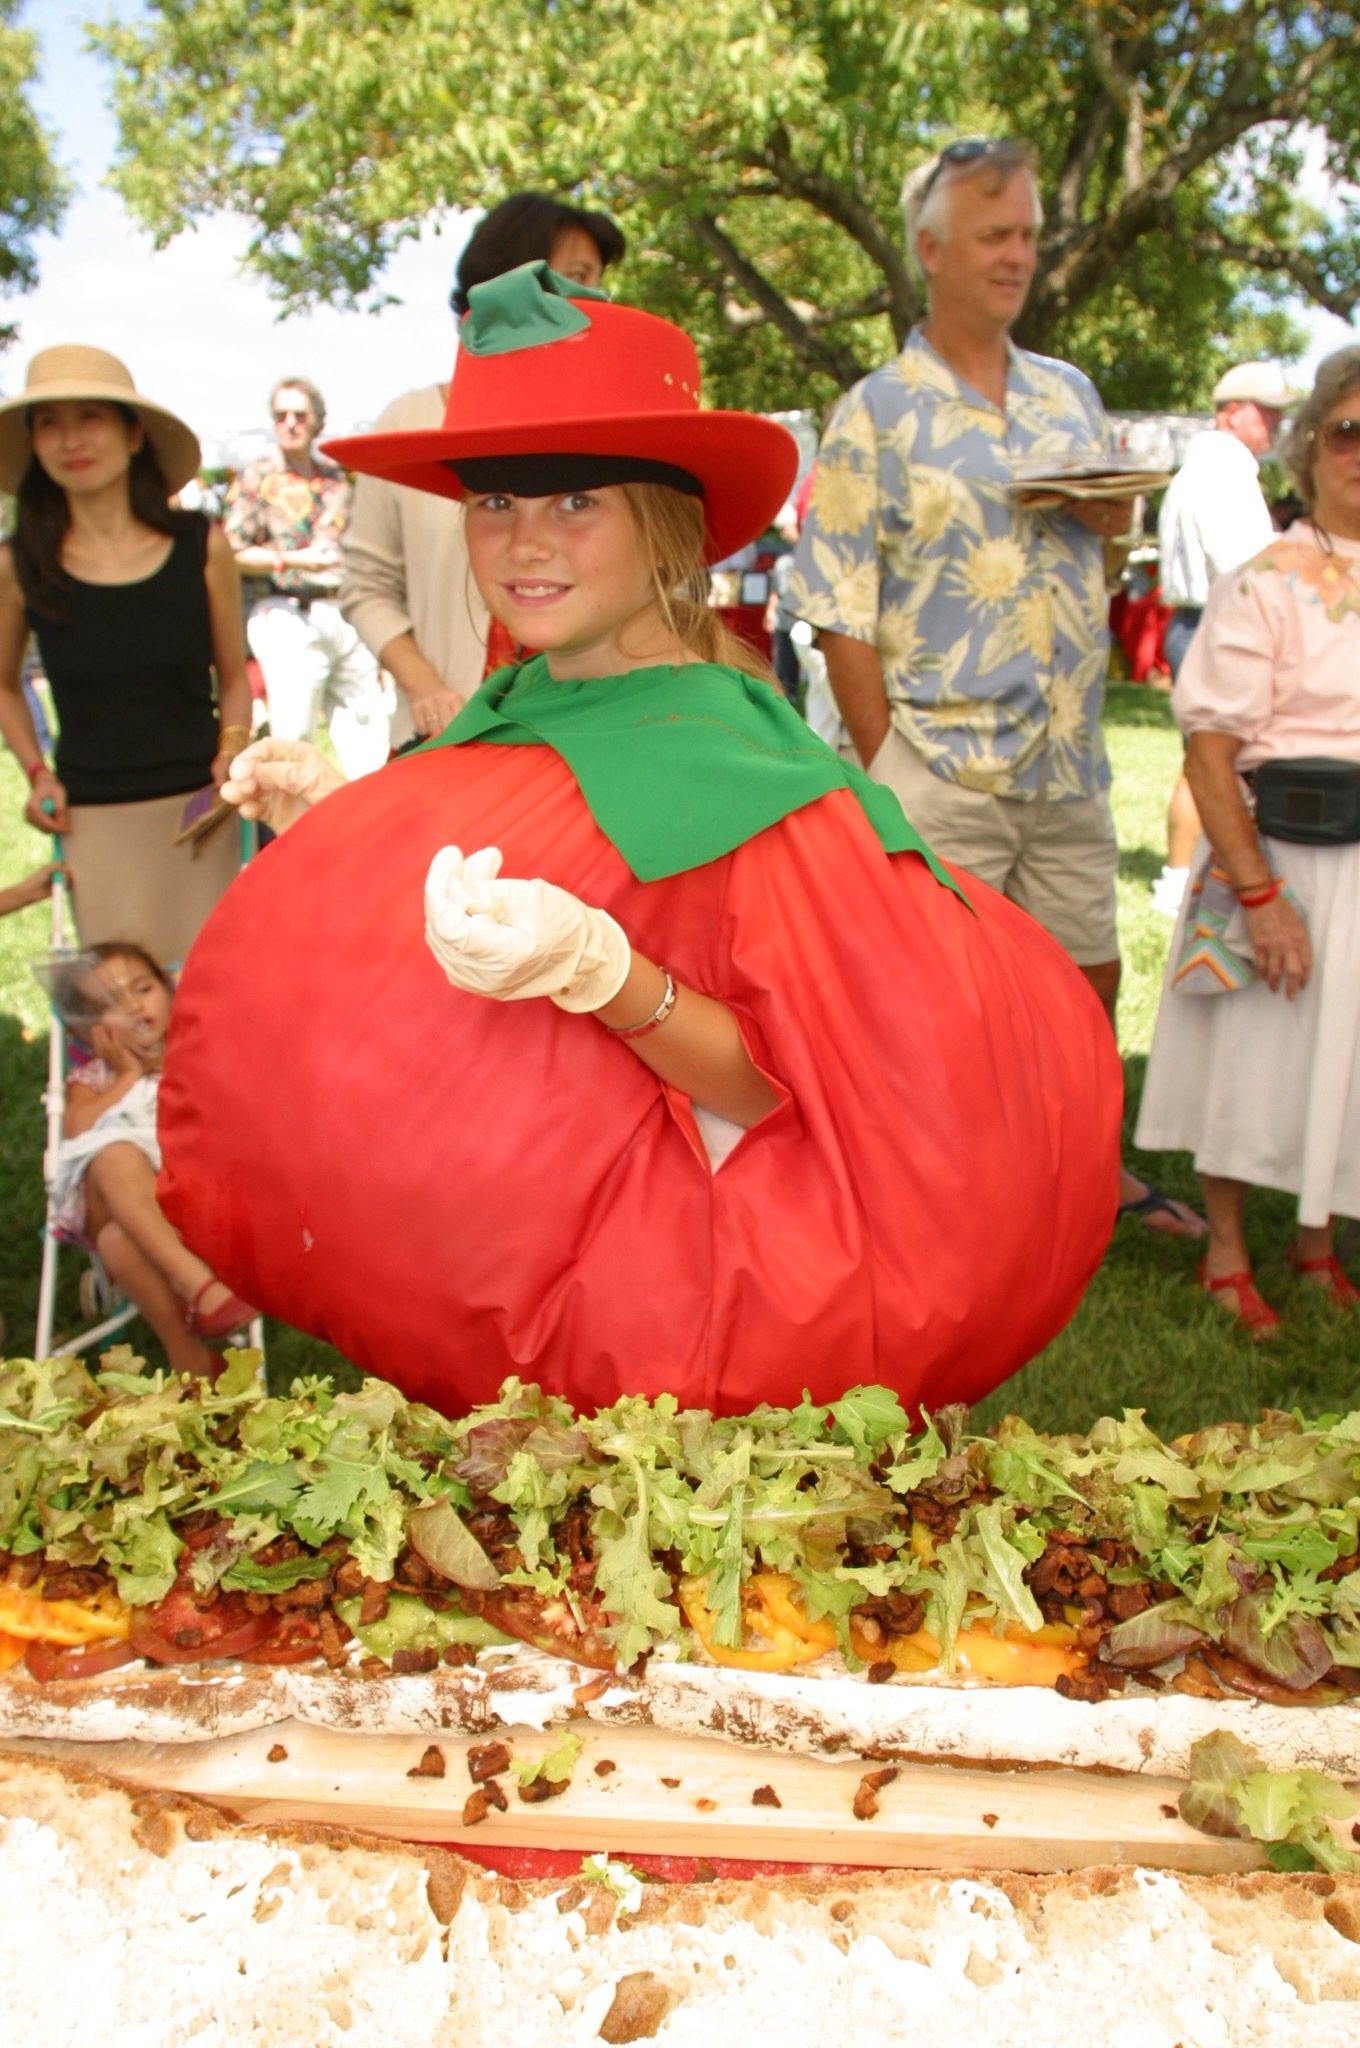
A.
x: 970, y: 150
x: 1339, y: 437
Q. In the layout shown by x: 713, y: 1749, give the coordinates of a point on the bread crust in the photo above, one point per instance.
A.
x: 310, y: 1937
x: 810, y: 1712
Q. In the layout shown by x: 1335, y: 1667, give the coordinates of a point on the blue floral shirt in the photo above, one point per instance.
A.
x: 990, y: 621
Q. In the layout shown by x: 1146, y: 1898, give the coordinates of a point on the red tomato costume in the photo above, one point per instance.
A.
x: 451, y: 1189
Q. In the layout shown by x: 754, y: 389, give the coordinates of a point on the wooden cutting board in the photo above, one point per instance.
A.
x: 681, y: 1796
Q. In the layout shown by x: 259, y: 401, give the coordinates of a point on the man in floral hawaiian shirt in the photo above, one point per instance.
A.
x: 284, y: 519
x: 965, y: 636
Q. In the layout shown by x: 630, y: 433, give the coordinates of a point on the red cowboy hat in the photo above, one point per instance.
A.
x: 546, y: 368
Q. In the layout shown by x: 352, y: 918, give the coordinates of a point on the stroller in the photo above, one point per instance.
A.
x: 104, y: 1310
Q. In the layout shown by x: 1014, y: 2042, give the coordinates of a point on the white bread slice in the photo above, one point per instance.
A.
x: 147, y: 1921
x: 822, y: 1711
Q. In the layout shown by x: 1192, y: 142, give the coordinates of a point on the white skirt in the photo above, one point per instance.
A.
x: 1260, y: 1089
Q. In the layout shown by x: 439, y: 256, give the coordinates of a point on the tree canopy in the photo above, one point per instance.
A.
x: 754, y: 151
x: 32, y: 189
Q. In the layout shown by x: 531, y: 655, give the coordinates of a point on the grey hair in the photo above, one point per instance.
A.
x: 309, y: 392
x: 925, y: 192
x: 1337, y: 375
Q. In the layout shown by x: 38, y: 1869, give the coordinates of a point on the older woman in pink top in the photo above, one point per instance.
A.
x: 1263, y: 1082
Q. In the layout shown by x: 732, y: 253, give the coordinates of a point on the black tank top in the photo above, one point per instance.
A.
x: 130, y: 666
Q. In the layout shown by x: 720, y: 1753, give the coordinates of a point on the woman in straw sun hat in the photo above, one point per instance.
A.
x: 624, y: 1037
x: 136, y: 609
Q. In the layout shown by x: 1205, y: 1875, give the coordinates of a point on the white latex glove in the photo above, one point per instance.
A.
x: 519, y: 938
x: 278, y: 781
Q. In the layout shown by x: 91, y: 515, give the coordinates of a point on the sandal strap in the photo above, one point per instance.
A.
x: 1328, y: 1264
x: 1252, y: 1309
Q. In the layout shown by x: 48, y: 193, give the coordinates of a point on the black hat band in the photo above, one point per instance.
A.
x: 551, y: 476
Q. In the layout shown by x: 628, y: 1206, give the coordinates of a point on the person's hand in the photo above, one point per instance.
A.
x: 1111, y: 518
x: 109, y: 1041
x: 32, y: 888
x: 278, y: 781
x: 436, y: 709
x: 1280, y: 945
x: 47, y: 791
x: 512, y: 939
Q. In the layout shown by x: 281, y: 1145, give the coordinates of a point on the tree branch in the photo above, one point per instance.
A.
x: 832, y: 359
x: 837, y: 203
x: 1292, y: 263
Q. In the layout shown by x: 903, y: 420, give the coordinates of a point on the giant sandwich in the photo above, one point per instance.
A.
x: 177, y: 1563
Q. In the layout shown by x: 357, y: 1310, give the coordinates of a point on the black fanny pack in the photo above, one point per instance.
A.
x: 1310, y: 801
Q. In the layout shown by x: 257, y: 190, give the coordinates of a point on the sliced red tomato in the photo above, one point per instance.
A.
x: 182, y: 1630
x: 550, y: 1624
x: 296, y: 1640
x: 47, y: 1661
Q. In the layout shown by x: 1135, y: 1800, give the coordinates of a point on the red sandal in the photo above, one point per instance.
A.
x: 1250, y: 1309
x: 1337, y: 1288
x: 223, y: 1321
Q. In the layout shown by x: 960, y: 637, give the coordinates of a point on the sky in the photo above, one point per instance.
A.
x: 206, y: 341
x: 197, y: 336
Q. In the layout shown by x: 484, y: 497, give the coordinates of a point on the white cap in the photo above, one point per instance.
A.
x: 1261, y: 383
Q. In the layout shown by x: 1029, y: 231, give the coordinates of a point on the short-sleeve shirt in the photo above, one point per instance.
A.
x: 1277, y: 654
x: 1214, y: 517
x: 273, y: 506
x: 990, y: 621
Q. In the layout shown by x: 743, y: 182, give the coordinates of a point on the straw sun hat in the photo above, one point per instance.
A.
x: 73, y: 371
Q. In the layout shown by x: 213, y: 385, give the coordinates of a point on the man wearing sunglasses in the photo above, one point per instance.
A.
x: 1214, y: 517
x: 965, y: 635
x: 285, y: 516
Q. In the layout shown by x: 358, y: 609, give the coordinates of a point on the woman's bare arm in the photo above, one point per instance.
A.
x: 223, y: 582
x: 16, y: 720
x: 1280, y: 944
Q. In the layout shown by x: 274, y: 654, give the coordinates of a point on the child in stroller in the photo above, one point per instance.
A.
x: 116, y: 1002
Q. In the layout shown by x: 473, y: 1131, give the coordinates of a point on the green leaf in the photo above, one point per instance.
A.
x: 869, y: 1417
x: 1290, y: 1856
x: 449, y: 1547
x: 246, y: 1575
x: 555, y: 1764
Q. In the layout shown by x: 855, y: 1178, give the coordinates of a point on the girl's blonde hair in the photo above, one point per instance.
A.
x: 671, y: 530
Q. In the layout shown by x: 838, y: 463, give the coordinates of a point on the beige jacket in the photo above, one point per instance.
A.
x: 406, y: 566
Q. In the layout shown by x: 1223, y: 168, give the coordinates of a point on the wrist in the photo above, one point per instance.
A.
x: 1258, y: 894
x: 35, y: 772
x: 643, y: 1027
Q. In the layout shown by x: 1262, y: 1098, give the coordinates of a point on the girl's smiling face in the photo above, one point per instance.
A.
x: 568, y: 575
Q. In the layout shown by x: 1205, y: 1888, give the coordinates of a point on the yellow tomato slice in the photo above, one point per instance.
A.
x: 1017, y: 1658
x: 26, y: 1614
x: 775, y: 1592
x: 788, y: 1646
x: 11, y: 1652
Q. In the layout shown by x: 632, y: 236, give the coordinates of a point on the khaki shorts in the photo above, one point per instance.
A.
x: 1056, y: 860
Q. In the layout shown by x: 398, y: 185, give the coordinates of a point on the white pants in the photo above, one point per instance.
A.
x: 312, y: 660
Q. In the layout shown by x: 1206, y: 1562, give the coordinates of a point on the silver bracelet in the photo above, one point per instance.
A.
x: 657, y: 1018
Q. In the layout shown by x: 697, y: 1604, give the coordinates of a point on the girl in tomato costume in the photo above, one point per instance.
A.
x: 625, y: 1038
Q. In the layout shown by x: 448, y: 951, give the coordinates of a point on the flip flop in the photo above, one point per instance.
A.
x: 1155, y: 1201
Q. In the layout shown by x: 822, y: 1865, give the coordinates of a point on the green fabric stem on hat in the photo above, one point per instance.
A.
x: 731, y: 754
x: 526, y: 308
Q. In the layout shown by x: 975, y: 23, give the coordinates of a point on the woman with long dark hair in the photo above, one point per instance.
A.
x: 135, y: 606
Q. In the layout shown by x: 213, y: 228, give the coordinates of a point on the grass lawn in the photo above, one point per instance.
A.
x: 1143, y: 1337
